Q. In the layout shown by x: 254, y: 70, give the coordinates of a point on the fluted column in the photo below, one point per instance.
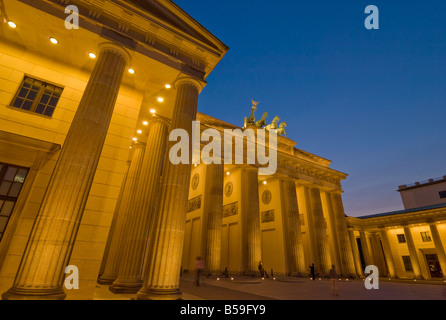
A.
x: 162, y: 275
x: 292, y: 228
x: 213, y: 217
x: 413, y: 253
x: 41, y: 271
x: 128, y: 193
x: 378, y: 253
x: 141, y: 211
x: 251, y: 243
x: 344, y: 245
x: 355, y: 251
x: 438, y: 247
x: 365, y: 248
x: 388, y: 253
x: 319, y: 227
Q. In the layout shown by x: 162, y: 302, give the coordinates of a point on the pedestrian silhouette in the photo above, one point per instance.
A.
x: 333, y: 279
x: 199, y: 266
x: 312, y: 271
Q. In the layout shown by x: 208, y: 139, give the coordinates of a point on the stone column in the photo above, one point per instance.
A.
x: 388, y: 253
x: 319, y: 231
x: 128, y: 193
x: 292, y: 228
x: 141, y: 211
x: 41, y: 271
x: 162, y: 276
x: 252, y: 242
x: 355, y: 251
x: 378, y: 254
x: 438, y: 247
x: 344, y: 245
x: 365, y: 248
x: 213, y: 217
x: 331, y: 212
x: 413, y: 253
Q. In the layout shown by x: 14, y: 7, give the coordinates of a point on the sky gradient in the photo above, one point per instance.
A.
x: 372, y: 101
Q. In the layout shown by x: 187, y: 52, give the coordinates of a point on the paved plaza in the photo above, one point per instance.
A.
x: 290, y: 288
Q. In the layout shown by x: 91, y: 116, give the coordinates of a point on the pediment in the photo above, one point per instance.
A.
x: 172, y: 15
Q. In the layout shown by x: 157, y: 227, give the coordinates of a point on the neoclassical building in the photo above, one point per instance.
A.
x: 409, y: 243
x: 90, y: 94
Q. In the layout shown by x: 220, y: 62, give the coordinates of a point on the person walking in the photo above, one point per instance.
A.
x: 199, y: 266
x: 313, y: 276
x: 333, y: 279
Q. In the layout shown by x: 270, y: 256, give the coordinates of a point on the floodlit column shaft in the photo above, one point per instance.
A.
x: 388, y: 253
x: 355, y: 251
x: 162, y: 276
x: 115, y: 250
x: 141, y: 210
x: 365, y: 248
x: 319, y: 226
x: 292, y: 228
x: 438, y: 247
x: 413, y: 253
x: 344, y: 245
x: 251, y: 220
x: 41, y: 271
x: 213, y: 213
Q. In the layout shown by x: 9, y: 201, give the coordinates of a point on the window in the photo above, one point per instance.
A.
x: 425, y: 236
x: 442, y: 194
x: 407, y: 263
x: 37, y: 96
x: 401, y: 238
x: 11, y: 182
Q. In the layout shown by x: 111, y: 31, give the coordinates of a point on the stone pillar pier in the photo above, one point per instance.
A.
x: 252, y: 246
x: 213, y: 217
x: 388, y: 253
x: 378, y: 256
x: 317, y: 223
x: 292, y: 229
x: 162, y: 276
x: 41, y: 271
x: 344, y: 245
x: 413, y: 253
x: 355, y: 251
x: 438, y: 247
x: 129, y: 188
x: 141, y: 210
x: 365, y: 248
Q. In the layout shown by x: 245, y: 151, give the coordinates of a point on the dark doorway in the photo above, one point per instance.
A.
x: 434, y: 265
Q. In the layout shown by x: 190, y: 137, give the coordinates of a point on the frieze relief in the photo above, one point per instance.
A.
x: 194, y: 204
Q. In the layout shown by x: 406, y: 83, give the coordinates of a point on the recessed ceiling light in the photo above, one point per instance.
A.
x: 139, y: 131
x: 264, y: 182
x: 92, y: 55
x: 160, y: 99
x: 227, y: 173
x: 54, y: 40
x: 152, y: 111
x: 167, y: 86
x: 145, y: 123
x: 12, y: 24
x: 134, y: 139
x: 131, y: 71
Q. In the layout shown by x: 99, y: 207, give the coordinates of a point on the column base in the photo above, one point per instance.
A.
x: 34, y: 294
x: 106, y: 280
x: 125, y: 287
x: 159, y: 294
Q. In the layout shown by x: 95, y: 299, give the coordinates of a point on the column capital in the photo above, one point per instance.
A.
x: 189, y: 80
x: 117, y: 48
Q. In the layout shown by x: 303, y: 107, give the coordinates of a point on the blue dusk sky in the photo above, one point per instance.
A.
x: 371, y: 101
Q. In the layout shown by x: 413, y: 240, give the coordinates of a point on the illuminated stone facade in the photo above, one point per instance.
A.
x: 86, y: 180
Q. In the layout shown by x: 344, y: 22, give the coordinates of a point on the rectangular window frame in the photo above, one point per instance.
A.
x: 401, y: 238
x: 407, y: 262
x: 425, y: 236
x: 50, y: 91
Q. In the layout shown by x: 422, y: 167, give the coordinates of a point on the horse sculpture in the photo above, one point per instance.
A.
x: 251, y: 119
x: 262, y: 121
x: 273, y: 124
